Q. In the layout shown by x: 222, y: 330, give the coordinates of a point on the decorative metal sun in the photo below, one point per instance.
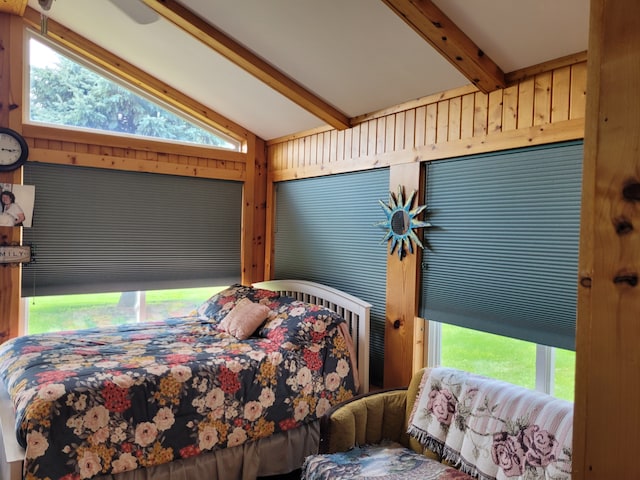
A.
x: 401, y: 222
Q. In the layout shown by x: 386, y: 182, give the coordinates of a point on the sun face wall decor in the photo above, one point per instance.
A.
x: 401, y: 222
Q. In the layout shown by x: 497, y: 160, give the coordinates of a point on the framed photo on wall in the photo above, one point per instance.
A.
x: 17, y: 205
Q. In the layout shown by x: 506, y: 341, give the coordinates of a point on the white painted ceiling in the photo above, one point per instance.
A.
x: 356, y: 55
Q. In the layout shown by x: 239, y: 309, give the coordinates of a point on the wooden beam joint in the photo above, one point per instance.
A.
x: 452, y: 43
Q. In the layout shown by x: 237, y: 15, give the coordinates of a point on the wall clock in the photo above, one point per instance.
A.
x: 13, y: 150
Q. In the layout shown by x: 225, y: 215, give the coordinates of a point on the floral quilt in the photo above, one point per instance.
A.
x: 493, y: 429
x: 110, y: 400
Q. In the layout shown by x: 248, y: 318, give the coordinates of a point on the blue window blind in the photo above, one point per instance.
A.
x: 505, y: 243
x: 325, y: 233
x: 96, y: 230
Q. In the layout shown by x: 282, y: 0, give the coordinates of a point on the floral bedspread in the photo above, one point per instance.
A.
x: 111, y: 400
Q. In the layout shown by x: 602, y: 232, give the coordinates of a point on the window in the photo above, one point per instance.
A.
x: 501, y: 276
x: 65, y: 91
x: 72, y: 312
x: 103, y: 231
x: 547, y: 369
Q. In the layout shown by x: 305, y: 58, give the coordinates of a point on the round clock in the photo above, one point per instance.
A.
x: 13, y: 150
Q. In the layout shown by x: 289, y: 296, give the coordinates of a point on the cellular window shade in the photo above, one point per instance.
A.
x: 97, y: 230
x: 325, y: 233
x: 505, y: 243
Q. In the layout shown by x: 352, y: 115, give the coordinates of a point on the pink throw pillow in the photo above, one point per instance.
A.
x: 244, y: 318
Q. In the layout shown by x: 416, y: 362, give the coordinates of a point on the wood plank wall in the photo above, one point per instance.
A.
x: 55, y: 145
x: 542, y: 104
x: 537, y: 107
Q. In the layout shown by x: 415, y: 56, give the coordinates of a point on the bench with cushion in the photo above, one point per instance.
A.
x: 448, y: 424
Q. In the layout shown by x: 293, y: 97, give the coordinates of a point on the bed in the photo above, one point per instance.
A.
x: 234, y: 390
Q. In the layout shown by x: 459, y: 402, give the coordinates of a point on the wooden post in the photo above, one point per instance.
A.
x: 11, y: 41
x: 607, y: 417
x: 253, y: 212
x: 400, y: 342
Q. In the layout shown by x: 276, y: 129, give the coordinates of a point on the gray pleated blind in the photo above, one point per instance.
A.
x: 325, y: 233
x: 97, y: 230
x: 505, y: 243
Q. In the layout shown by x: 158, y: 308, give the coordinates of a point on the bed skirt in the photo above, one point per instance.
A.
x: 276, y: 455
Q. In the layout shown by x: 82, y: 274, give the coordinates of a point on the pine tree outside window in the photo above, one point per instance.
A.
x: 66, y: 92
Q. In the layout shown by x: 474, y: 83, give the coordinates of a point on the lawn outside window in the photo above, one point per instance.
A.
x: 74, y: 312
x: 539, y: 367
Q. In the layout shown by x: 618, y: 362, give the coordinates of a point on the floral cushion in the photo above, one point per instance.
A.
x: 386, y: 461
x: 220, y: 304
x: 299, y: 323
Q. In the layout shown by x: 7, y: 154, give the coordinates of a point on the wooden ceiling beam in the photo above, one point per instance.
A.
x: 247, y: 60
x: 135, y: 76
x: 14, y: 7
x: 452, y: 43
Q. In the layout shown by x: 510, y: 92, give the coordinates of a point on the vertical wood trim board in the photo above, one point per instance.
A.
x: 11, y: 40
x: 607, y: 418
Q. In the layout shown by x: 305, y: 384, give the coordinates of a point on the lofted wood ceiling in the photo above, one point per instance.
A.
x: 279, y: 67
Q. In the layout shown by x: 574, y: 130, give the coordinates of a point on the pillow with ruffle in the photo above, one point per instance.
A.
x: 220, y: 304
x: 298, y: 322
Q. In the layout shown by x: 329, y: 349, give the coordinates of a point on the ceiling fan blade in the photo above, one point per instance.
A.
x: 137, y: 11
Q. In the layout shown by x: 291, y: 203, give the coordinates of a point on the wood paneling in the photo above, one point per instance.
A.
x: 51, y: 145
x: 465, y: 118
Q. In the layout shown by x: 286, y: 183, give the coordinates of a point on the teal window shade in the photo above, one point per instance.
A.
x: 505, y: 243
x: 97, y: 230
x: 325, y: 233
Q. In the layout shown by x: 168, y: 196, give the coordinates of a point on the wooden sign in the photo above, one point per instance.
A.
x: 14, y: 254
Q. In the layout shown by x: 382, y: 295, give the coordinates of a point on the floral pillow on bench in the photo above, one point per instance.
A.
x: 385, y: 461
